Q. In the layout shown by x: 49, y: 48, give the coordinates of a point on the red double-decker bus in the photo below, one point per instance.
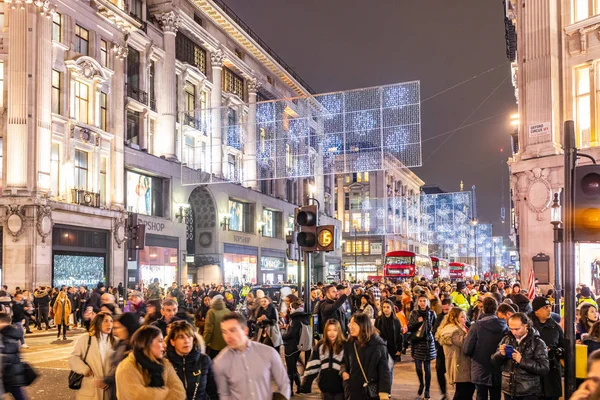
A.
x: 406, y: 264
x: 441, y: 268
x: 461, y: 271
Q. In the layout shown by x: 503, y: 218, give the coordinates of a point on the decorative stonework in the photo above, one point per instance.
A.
x: 14, y: 221
x: 583, y: 36
x: 119, y: 231
x: 44, y: 221
x: 253, y: 85
x: 120, y: 50
x: 169, y: 21
x: 217, y: 57
x: 534, y: 188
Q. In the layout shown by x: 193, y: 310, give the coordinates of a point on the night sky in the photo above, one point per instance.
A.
x: 346, y: 44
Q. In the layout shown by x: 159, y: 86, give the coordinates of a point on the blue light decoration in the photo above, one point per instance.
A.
x: 343, y: 132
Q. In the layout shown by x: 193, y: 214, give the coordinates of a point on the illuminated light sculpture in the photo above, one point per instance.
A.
x: 344, y: 132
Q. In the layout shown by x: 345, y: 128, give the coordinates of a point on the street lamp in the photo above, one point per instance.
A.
x: 556, y: 221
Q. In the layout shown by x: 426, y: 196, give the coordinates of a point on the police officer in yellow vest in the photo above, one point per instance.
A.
x: 586, y: 297
x: 459, y: 296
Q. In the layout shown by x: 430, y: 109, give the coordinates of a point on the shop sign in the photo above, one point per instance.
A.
x: 376, y: 248
x: 539, y: 129
x: 241, y: 239
x: 152, y: 226
x: 270, y: 263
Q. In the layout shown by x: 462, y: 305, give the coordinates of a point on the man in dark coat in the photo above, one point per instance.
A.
x: 481, y: 342
x: 95, y: 300
x: 553, y: 335
x: 524, y: 363
x: 41, y: 301
x: 331, y: 306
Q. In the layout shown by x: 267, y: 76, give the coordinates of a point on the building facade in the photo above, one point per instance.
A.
x: 380, y: 212
x: 554, y: 47
x: 98, y: 102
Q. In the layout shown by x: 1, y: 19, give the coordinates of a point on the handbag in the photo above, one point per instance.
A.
x: 370, y: 389
x: 29, y: 373
x: 75, y: 379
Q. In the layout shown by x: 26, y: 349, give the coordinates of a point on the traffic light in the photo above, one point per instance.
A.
x: 326, y: 238
x: 136, y: 237
x: 291, y: 252
x: 587, y: 203
x: 307, y: 220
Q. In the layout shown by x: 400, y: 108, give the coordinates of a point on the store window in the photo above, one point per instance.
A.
x: 82, y: 102
x: 81, y: 40
x: 240, y: 216
x: 583, y: 106
x: 158, y: 262
x: 272, y: 270
x: 81, y: 169
x: 271, y: 221
x: 239, y: 269
x: 145, y: 194
x: 57, y: 86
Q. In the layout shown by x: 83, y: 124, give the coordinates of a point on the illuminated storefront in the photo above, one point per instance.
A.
x: 239, y: 268
x: 158, y: 262
x: 292, y: 271
x: 360, y: 272
x: 272, y: 270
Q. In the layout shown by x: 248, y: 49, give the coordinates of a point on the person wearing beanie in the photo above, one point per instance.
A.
x: 586, y: 297
x: 552, y: 334
x: 124, y: 326
x: 460, y: 296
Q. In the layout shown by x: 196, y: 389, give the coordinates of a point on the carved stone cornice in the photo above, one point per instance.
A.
x: 253, y: 85
x: 120, y: 50
x: 217, y: 57
x: 169, y: 21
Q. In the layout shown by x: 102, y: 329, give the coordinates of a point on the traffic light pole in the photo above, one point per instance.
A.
x: 570, y: 155
x: 308, y: 258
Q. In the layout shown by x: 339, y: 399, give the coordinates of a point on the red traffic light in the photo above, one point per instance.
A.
x: 590, y: 184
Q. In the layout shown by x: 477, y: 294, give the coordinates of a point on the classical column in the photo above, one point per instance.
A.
x: 165, y: 138
x: 44, y: 99
x: 118, y: 101
x: 250, y: 144
x: 16, y: 141
x: 216, y: 148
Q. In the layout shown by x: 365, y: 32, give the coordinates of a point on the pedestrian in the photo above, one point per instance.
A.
x: 13, y: 371
x: 235, y: 368
x: 451, y: 335
x: 98, y: 344
x: 592, y: 340
x: 194, y: 368
x: 153, y: 314
x: 331, y: 305
x: 325, y: 363
x: 460, y: 296
x: 62, y: 311
x: 291, y: 339
x: 29, y: 310
x: 18, y: 308
x: 390, y: 330
x: 168, y: 313
x: 552, y: 334
x: 480, y: 344
x: 440, y: 362
x: 589, y: 389
x: 588, y: 315
x: 202, y: 311
x: 420, y: 324
x: 41, y: 301
x: 124, y: 326
x: 523, y: 357
x: 145, y: 373
x: 505, y: 311
x: 366, y: 372
x: 268, y: 324
x: 367, y: 306
x: 213, y: 337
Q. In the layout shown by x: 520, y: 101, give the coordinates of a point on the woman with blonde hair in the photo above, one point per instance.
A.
x: 91, y: 358
x: 62, y: 311
x: 451, y: 334
x: 145, y: 373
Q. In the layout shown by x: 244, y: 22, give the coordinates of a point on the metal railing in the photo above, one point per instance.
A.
x: 85, y: 198
x: 137, y: 94
x: 262, y: 44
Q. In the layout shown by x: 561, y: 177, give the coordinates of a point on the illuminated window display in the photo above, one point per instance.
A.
x: 158, y: 262
x: 272, y: 270
x: 144, y: 194
x: 78, y: 270
x: 239, y: 268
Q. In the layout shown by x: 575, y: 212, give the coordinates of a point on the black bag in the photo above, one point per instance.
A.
x: 75, y: 379
x: 29, y: 373
x: 370, y: 389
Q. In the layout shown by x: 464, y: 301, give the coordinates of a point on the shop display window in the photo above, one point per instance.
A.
x: 78, y: 270
x: 239, y: 269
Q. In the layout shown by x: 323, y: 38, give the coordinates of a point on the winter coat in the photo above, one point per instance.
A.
x: 212, y: 326
x: 94, y: 362
x: 480, y: 344
x: 374, y: 360
x: 592, y: 345
x: 13, y: 371
x: 122, y: 350
x: 458, y: 365
x: 133, y: 381
x: 95, y: 300
x: 523, y: 379
x: 62, y: 309
x: 391, y: 332
x: 41, y: 299
x: 332, y: 309
x: 422, y: 348
x: 325, y: 365
x: 18, y: 309
x: 195, y: 372
x: 552, y: 334
x: 522, y: 302
x: 291, y: 337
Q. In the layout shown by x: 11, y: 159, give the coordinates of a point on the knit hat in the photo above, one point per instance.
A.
x: 100, y: 285
x: 460, y: 286
x: 129, y: 321
x: 586, y: 292
x: 539, y: 302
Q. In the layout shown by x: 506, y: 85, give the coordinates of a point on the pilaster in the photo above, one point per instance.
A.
x: 118, y: 100
x: 250, y: 144
x: 216, y: 147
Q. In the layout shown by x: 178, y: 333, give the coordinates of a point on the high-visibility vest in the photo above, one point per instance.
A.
x: 587, y: 300
x: 460, y: 300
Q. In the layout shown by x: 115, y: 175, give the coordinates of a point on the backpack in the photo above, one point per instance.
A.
x: 6, y: 308
x: 306, y: 338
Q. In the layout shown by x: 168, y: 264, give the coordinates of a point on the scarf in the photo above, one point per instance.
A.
x: 155, y: 370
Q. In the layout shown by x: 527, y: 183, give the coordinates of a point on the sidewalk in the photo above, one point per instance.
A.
x: 35, y: 333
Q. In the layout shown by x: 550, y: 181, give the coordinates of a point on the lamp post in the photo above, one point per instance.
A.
x: 555, y: 220
x: 474, y: 224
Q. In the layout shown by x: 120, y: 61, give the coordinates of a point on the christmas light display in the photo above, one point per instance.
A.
x: 343, y: 132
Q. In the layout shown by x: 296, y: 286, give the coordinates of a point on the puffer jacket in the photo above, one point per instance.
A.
x: 523, y: 379
x: 14, y: 372
x: 212, y: 326
x: 552, y: 334
x: 480, y: 344
x: 196, y: 372
x: 41, y: 299
x: 422, y: 348
x: 458, y: 365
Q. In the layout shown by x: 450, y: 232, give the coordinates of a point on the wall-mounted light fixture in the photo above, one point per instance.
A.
x: 261, y: 228
x: 225, y: 222
x: 183, y: 209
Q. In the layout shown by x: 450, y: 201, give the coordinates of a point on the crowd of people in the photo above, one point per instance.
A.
x: 487, y: 339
